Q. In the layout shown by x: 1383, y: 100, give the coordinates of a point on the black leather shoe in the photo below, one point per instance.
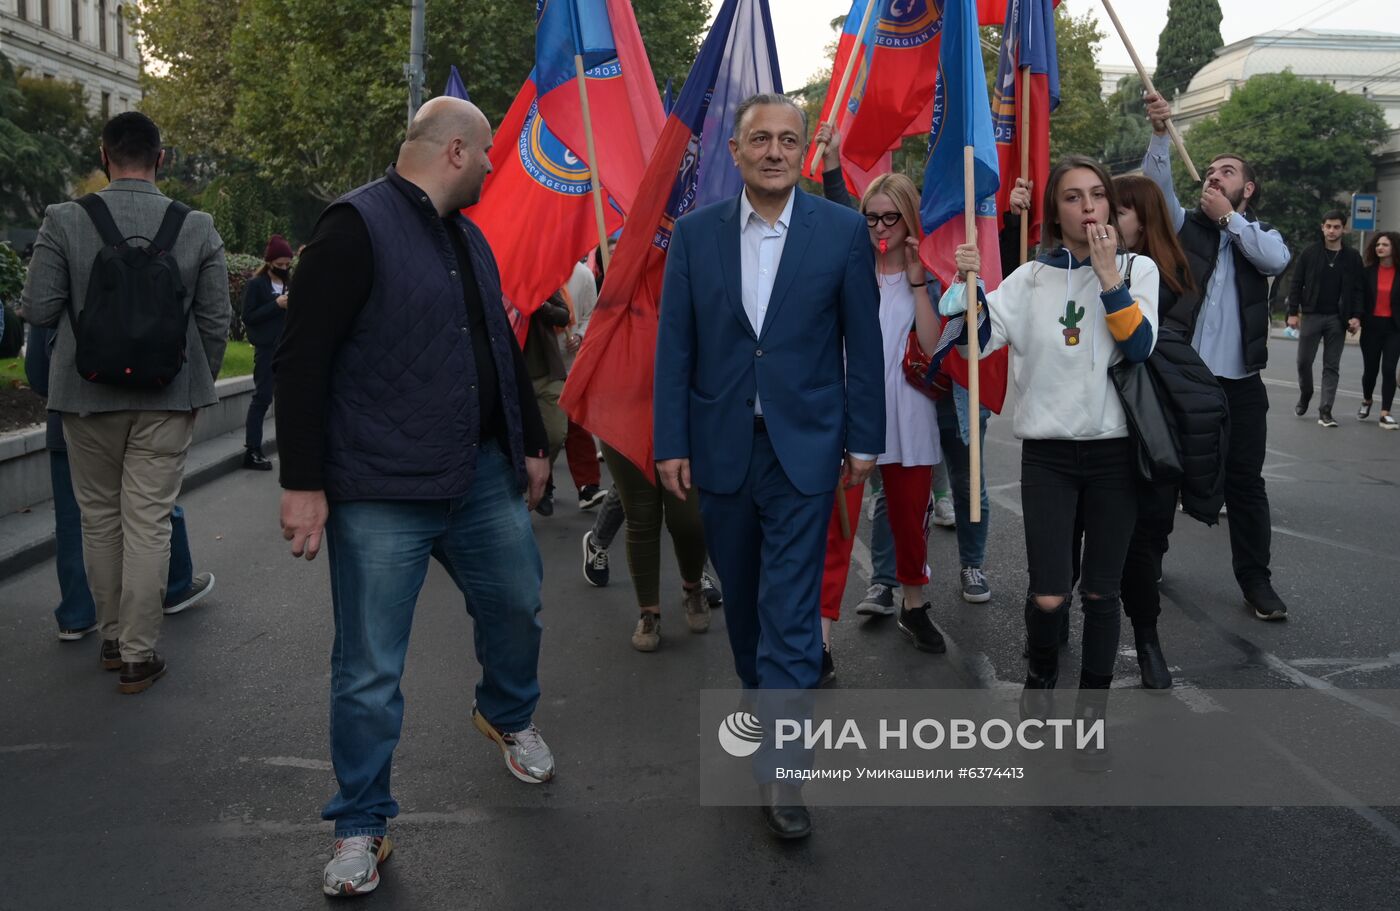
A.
x: 111, y: 655
x: 784, y: 811
x: 254, y: 460
x: 1301, y: 408
x: 828, y: 667
x: 138, y: 676
x: 1266, y: 603
x: 1151, y: 661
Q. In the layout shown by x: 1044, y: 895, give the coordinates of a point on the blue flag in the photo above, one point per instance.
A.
x: 962, y: 116
x: 455, y: 87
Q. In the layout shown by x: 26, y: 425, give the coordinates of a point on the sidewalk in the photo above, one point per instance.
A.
x: 26, y: 537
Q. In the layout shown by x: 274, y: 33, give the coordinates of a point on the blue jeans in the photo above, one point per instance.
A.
x: 379, y: 551
x: 972, y: 538
x: 881, y: 538
x: 75, y: 608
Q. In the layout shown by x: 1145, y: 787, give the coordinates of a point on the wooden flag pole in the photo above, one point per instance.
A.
x: 592, y: 161
x: 845, y: 79
x: 1151, y: 90
x: 843, y: 511
x: 1023, y: 137
x: 974, y: 384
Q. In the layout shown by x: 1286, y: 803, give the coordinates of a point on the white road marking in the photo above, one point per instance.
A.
x: 295, y: 762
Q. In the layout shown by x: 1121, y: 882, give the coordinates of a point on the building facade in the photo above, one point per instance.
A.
x: 1359, y: 62
x: 84, y: 41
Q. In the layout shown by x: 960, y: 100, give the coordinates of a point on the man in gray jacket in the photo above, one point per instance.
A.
x: 126, y: 445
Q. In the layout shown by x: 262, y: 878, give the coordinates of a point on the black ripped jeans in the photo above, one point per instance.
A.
x: 1093, y: 482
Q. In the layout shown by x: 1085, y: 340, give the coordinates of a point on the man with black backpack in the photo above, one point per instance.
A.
x: 137, y: 288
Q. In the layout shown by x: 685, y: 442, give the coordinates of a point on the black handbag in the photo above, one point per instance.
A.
x: 1158, y: 453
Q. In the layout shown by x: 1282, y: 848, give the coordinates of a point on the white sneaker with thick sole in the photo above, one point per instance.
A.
x: 527, y: 755
x: 354, y: 866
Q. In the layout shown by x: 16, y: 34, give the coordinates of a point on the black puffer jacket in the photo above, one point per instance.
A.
x: 1200, y: 416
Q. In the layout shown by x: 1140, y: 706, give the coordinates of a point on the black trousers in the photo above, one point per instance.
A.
x: 1380, y: 350
x: 1156, y: 517
x: 1090, y: 481
x: 1246, y: 500
x: 262, y: 395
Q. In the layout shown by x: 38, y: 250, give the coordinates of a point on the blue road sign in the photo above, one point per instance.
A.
x: 1363, y: 212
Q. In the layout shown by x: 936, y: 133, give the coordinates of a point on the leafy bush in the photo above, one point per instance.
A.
x: 241, y: 267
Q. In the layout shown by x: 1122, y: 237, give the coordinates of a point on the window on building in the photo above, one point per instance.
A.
x: 121, y: 34
x: 102, y: 24
x: 75, y: 14
x: 23, y: 10
x: 106, y: 106
x: 44, y: 18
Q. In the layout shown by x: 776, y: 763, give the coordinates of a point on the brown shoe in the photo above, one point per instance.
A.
x: 647, y: 636
x: 697, y: 609
x: 139, y: 675
x: 111, y: 655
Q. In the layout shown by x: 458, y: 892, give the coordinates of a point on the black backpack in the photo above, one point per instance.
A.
x: 131, y: 331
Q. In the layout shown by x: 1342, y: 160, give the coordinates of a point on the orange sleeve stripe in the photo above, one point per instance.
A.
x: 1124, y: 323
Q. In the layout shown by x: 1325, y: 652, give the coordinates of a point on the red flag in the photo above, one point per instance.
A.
x: 993, y: 12
x: 609, y: 389
x: 622, y: 98
x: 893, y: 67
x: 536, y: 209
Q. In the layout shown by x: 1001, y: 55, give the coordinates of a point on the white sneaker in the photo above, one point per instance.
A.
x: 943, y: 512
x: 354, y: 868
x: 527, y: 755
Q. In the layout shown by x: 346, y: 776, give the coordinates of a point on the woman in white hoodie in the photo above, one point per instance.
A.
x: 1069, y: 316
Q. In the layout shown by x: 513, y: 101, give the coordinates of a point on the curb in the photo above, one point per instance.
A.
x: 42, y: 547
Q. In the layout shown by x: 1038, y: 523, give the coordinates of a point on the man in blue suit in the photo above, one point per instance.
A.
x: 756, y: 405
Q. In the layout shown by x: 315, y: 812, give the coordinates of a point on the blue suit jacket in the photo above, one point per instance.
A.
x: 710, y: 364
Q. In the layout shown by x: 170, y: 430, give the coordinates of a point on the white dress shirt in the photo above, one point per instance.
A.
x: 760, y: 252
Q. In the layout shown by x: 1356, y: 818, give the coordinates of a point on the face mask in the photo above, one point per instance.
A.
x: 280, y: 273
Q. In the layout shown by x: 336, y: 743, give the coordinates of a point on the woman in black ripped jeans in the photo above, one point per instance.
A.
x: 1069, y: 316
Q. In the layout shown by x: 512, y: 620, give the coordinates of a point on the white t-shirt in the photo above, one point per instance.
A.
x: 911, y: 419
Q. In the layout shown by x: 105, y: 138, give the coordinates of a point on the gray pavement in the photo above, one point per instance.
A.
x: 206, y: 790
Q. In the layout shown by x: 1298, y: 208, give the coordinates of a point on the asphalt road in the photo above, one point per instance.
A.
x: 206, y: 790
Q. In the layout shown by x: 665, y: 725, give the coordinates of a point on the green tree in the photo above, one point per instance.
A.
x: 191, y: 92
x: 1128, y: 129
x: 1309, y: 144
x: 320, y: 96
x: 312, y: 92
x: 1080, y: 125
x: 47, y: 141
x: 1190, y: 39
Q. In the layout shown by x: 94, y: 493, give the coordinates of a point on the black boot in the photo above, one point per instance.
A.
x: 1155, y: 675
x: 1091, y: 707
x: 1043, y: 654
